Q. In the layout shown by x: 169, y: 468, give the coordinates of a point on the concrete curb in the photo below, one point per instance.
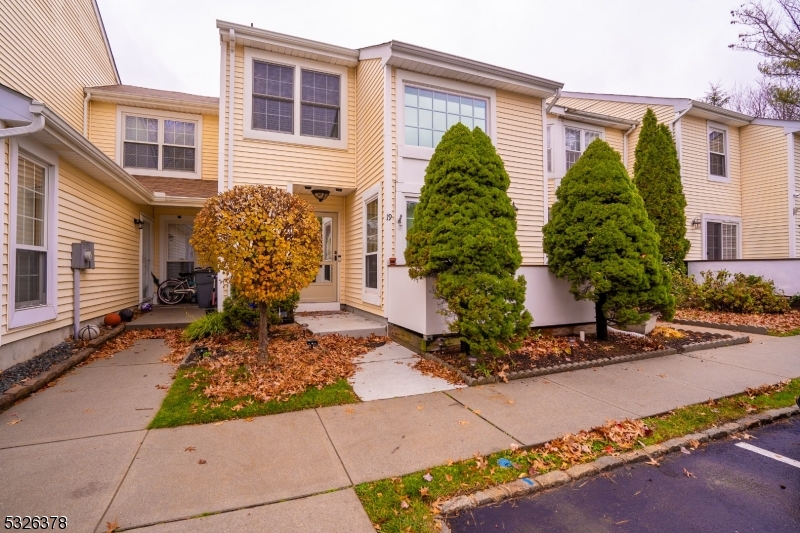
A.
x: 472, y: 382
x: 555, y: 478
x: 17, y: 392
x: 756, y: 330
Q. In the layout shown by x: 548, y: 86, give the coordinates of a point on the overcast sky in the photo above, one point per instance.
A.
x: 666, y: 48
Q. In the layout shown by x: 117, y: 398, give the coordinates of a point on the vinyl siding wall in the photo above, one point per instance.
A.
x: 704, y: 196
x: 103, y: 134
x: 520, y: 144
x: 369, y: 130
x: 90, y: 211
x: 278, y: 163
x: 796, y: 229
x: 51, y: 50
x: 765, y: 194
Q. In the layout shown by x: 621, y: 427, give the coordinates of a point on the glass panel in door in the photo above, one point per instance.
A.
x: 324, y: 288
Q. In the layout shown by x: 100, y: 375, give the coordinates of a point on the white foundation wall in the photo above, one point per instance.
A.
x: 548, y: 299
x: 784, y: 272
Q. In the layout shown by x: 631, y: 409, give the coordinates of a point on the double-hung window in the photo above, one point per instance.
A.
x: 721, y: 241
x: 160, y: 145
x: 576, y: 140
x: 273, y: 97
x: 319, y: 104
x: 717, y: 157
x: 429, y: 114
x: 30, y: 276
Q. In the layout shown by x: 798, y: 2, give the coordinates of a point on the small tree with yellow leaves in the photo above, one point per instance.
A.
x: 267, y: 240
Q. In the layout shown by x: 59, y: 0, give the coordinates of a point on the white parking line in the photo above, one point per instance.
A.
x: 767, y: 453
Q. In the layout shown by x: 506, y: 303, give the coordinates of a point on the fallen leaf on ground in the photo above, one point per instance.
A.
x: 423, y: 491
x: 448, y: 477
x: 403, y: 504
x: 437, y: 370
x: 687, y: 473
x: 13, y: 422
x: 510, y: 402
x: 350, y: 410
x: 621, y: 522
x: 189, y: 449
x: 420, y: 407
x: 693, y: 444
x: 477, y: 411
x: 652, y: 462
x: 217, y: 423
x: 684, y: 450
x: 112, y: 526
x: 747, y: 436
x: 463, y: 422
x: 201, y: 462
x: 428, y: 477
x: 162, y: 387
x: 248, y: 419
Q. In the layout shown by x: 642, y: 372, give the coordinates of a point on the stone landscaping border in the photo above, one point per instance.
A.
x: 472, y: 382
x: 19, y: 391
x: 526, y: 486
x: 756, y: 330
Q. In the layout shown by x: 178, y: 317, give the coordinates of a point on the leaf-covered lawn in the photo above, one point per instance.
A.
x: 409, y: 503
x: 185, y: 405
x: 780, y: 324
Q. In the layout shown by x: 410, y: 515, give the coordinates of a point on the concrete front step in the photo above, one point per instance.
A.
x: 346, y: 324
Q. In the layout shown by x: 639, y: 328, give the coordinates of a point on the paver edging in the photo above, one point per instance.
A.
x: 566, y: 367
x: 17, y: 392
x: 757, y: 330
x: 527, y: 486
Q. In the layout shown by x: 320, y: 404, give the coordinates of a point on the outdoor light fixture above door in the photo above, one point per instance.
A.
x: 138, y: 223
x: 320, y: 194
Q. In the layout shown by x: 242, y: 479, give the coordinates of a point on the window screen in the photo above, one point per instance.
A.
x: 319, y: 104
x: 721, y: 241
x: 273, y: 97
x: 716, y: 147
x: 30, y: 278
x: 140, y: 149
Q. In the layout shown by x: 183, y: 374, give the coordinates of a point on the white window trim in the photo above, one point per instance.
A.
x: 414, y: 79
x: 250, y: 55
x: 123, y: 111
x: 369, y: 295
x: 713, y: 126
x: 405, y: 192
x: 49, y: 311
x: 560, y: 149
x: 163, y: 243
x: 725, y: 219
x: 142, y: 281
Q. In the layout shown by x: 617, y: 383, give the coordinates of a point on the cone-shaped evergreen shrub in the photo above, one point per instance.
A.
x: 657, y: 175
x: 601, y: 240
x: 464, y: 235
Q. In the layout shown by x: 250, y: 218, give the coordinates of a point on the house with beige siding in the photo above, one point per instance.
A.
x: 87, y: 159
x: 738, y: 173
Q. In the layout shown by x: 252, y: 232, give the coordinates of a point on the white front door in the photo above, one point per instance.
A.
x: 147, y: 259
x: 325, y: 287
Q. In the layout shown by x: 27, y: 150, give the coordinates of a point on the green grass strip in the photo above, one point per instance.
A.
x: 402, y: 504
x: 184, y: 406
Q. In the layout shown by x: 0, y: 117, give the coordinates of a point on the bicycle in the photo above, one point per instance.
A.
x: 174, y: 291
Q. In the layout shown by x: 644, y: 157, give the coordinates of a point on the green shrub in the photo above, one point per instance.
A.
x: 209, y: 325
x: 238, y: 313
x: 735, y: 293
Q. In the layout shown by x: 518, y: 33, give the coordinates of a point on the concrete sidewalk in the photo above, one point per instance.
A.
x: 81, y: 448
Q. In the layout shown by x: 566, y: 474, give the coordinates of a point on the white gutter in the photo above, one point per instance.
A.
x: 680, y: 115
x: 37, y: 124
x: 231, y: 61
x: 553, y: 101
x: 625, y: 143
x: 86, y: 115
x: 223, y: 48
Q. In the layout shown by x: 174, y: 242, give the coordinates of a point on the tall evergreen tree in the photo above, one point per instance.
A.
x: 657, y: 175
x: 601, y: 240
x: 464, y: 235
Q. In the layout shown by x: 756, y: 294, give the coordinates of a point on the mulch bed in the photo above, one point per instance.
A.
x: 778, y: 323
x: 546, y: 351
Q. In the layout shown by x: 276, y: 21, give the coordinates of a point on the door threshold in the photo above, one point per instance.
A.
x: 318, y: 306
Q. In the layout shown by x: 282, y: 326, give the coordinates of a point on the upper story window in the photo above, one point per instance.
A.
x: 428, y: 114
x: 294, y: 100
x: 717, y: 164
x: 576, y: 140
x: 273, y: 97
x: 163, y: 145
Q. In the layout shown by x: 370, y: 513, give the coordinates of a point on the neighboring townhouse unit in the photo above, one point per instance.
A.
x: 72, y: 139
x: 353, y: 131
x: 739, y: 173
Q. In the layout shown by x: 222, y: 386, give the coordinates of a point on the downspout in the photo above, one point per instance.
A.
x: 86, y: 100
x: 231, y: 61
x: 553, y: 101
x: 546, y: 185
x: 223, y: 53
x: 37, y: 124
x: 678, y: 141
x: 625, y: 143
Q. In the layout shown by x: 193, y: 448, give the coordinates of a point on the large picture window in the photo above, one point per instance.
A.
x: 153, y: 145
x: 30, y: 278
x: 428, y: 114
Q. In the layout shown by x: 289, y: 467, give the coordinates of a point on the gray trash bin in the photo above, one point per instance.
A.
x: 205, y: 288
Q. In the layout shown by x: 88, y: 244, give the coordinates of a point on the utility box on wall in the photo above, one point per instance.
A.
x: 82, y: 255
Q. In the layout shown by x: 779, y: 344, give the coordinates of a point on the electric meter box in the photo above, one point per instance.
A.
x: 82, y: 255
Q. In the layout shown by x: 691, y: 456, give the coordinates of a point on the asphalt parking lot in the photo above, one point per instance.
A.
x: 725, y: 486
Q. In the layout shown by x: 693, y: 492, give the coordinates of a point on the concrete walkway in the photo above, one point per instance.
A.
x: 80, y: 448
x: 168, y: 316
